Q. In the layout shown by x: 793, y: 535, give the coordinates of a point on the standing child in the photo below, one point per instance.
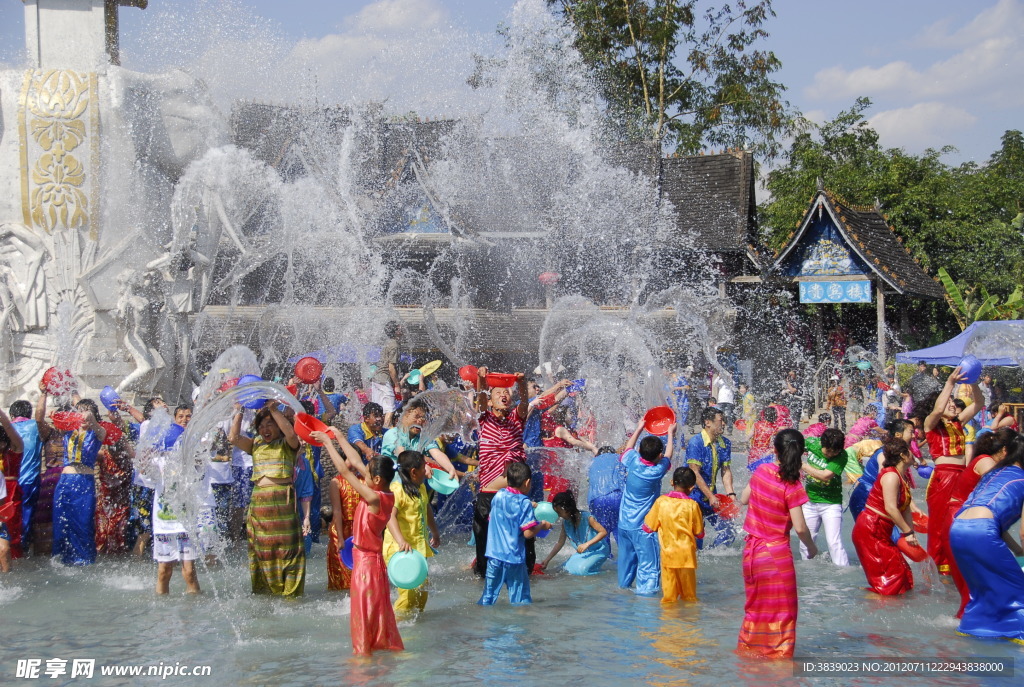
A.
x: 512, y: 523
x: 413, y: 515
x: 171, y: 542
x: 587, y: 534
x: 678, y: 520
x: 372, y: 618
x: 638, y: 550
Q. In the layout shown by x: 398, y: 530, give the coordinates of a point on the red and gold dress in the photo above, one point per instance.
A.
x: 887, y: 571
x: 946, y: 439
x: 338, y: 576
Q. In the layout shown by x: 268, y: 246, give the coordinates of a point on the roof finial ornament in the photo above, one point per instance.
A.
x: 821, y: 183
x: 878, y: 205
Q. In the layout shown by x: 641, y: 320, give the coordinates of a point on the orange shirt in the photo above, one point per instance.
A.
x: 679, y: 523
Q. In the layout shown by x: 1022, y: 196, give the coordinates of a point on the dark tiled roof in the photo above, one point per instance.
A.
x: 713, y: 195
x: 714, y: 199
x: 868, y: 232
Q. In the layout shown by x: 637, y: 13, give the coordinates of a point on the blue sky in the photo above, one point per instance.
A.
x: 939, y: 71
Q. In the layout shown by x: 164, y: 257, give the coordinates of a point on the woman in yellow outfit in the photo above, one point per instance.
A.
x: 413, y: 515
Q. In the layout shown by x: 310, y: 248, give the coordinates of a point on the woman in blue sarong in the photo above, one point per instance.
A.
x: 585, y: 532
x: 984, y: 550
x: 74, y: 498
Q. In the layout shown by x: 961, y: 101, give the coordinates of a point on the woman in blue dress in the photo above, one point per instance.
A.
x: 585, y: 532
x: 984, y: 550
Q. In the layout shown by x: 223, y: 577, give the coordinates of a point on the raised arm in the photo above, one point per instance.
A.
x: 235, y: 436
x: 371, y: 497
x: 523, y: 407
x: 935, y: 415
x: 290, y: 437
x: 566, y: 436
x: 631, y: 443
x: 14, y: 440
x: 482, y: 399
x: 329, y: 410
x: 977, y: 403
x: 40, y: 415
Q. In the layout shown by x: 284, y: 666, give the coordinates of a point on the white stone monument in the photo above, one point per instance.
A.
x: 92, y: 270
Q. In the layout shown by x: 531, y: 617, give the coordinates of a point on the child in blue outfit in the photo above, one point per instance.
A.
x: 639, y: 557
x: 511, y: 523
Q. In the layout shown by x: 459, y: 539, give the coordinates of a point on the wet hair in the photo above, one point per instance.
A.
x: 148, y: 407
x: 565, y: 500
x: 959, y: 403
x: 770, y: 414
x: 651, y: 448
x: 392, y: 328
x: 262, y: 415
x: 517, y: 475
x: 407, y: 462
x: 823, y: 418
x: 897, y: 427
x: 709, y: 414
x: 684, y: 477
x: 893, y: 450
x: 789, y: 450
x: 989, y: 443
x: 328, y: 385
x: 372, y: 408
x: 90, y: 405
x: 606, y: 449
x: 182, y: 407
x: 326, y: 513
x: 21, y: 408
x: 308, y: 408
x: 994, y: 408
x: 833, y: 439
x: 1014, y: 453
x: 383, y: 467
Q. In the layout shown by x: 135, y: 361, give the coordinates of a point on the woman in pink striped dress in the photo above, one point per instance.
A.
x: 774, y: 496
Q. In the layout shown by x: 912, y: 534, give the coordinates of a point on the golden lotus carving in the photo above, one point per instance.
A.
x: 58, y: 116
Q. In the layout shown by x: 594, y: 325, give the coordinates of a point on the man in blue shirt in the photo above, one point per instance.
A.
x: 606, y: 479
x: 708, y: 454
x: 368, y: 435
x: 29, y: 477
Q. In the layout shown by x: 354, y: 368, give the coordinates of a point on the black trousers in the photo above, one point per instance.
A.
x: 481, y: 518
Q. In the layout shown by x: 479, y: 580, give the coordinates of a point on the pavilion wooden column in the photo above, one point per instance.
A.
x: 880, y: 314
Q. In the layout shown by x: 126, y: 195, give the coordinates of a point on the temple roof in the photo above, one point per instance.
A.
x: 713, y: 195
x: 875, y: 245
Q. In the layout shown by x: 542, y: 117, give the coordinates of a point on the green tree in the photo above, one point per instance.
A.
x: 957, y: 217
x: 685, y: 73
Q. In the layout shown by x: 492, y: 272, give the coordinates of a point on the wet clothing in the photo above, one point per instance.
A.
x: 884, y: 566
x: 511, y: 514
x: 372, y: 620
x: 639, y: 558
x: 590, y: 561
x: 277, y: 560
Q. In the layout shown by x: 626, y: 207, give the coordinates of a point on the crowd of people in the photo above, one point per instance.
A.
x: 73, y: 488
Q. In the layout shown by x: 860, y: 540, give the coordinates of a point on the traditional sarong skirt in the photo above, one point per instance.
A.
x: 277, y: 559
x: 372, y: 619
x: 940, y: 486
x: 769, y: 622
x: 994, y: 578
x: 74, y: 513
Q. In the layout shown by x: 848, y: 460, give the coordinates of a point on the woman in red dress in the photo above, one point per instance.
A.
x: 944, y: 430
x: 989, y: 449
x: 888, y: 504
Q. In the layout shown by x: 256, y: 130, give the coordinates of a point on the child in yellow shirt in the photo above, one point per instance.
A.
x: 677, y: 519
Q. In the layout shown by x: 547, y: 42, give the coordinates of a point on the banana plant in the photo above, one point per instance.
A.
x: 968, y: 305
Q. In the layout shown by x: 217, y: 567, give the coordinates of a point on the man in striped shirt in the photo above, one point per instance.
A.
x: 501, y: 443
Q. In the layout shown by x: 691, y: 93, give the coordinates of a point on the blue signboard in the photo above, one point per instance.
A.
x: 835, y: 291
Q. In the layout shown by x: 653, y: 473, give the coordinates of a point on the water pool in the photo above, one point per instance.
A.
x: 578, y: 631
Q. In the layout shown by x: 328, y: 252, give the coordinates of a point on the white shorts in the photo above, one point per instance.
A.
x: 168, y: 548
x: 384, y: 394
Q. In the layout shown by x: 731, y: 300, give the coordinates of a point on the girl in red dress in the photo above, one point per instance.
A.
x: 372, y: 618
x: 944, y: 430
x: 888, y: 504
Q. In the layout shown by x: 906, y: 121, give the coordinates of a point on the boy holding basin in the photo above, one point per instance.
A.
x: 512, y: 522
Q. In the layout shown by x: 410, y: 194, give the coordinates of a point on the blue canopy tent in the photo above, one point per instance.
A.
x: 989, y: 341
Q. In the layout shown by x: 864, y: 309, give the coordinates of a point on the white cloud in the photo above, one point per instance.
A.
x: 394, y: 16
x: 986, y: 64
x: 920, y: 126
